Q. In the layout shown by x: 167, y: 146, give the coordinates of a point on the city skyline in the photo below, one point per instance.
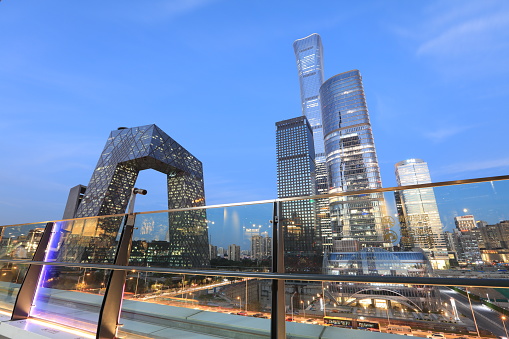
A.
x: 420, y: 87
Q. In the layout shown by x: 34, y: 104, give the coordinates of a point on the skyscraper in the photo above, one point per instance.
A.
x: 76, y: 194
x: 295, y: 177
x: 309, y: 54
x: 351, y: 159
x: 131, y: 150
x: 420, y: 211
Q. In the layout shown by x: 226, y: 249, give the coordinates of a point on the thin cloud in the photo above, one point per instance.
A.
x: 461, y: 38
x: 444, y: 133
x: 473, y: 36
x: 474, y: 166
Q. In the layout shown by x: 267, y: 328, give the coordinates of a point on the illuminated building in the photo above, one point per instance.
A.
x: 420, y: 211
x: 295, y: 177
x: 309, y: 55
x: 465, y: 222
x: 130, y: 150
x: 379, y: 262
x: 351, y: 160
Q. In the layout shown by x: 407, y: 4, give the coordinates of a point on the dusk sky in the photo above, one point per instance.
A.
x: 217, y: 75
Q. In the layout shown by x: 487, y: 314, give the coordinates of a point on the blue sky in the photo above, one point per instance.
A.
x: 217, y: 75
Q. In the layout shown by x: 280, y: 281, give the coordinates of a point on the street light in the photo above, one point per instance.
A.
x: 303, y: 309
x: 473, y: 314
x: 240, y: 303
x: 454, y: 309
x: 505, y: 328
x: 388, y: 319
x: 136, y: 288
x: 291, y: 302
x: 246, y: 294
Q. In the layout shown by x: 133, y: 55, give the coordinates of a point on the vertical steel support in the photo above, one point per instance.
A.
x: 112, y: 301
x: 26, y: 294
x: 277, y: 321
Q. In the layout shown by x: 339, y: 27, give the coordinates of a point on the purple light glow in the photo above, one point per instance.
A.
x: 51, y: 255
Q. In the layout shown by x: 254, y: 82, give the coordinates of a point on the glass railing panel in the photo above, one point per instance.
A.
x: 16, y: 243
x: 20, y: 242
x: 73, y: 296
x: 171, y: 305
x: 458, y: 231
x: 226, y: 238
x: 11, y: 277
x: 432, y: 231
x: 88, y: 240
x: 315, y: 310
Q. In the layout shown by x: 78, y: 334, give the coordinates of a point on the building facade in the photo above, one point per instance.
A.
x: 309, y: 55
x: 129, y: 151
x: 378, y: 262
x: 234, y: 252
x: 466, y: 246
x: 76, y: 194
x: 351, y: 161
x: 296, y: 174
x: 465, y: 222
x: 261, y: 246
x: 420, y: 211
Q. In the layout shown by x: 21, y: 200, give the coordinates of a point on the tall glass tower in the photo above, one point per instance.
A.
x: 295, y: 177
x: 309, y: 54
x: 421, y: 219
x: 351, y: 160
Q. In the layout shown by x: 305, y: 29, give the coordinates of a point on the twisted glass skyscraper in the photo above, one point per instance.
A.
x: 351, y: 160
x: 309, y: 54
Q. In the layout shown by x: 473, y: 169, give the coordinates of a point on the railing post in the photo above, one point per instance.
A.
x: 277, y: 322
x: 109, y: 314
x: 26, y: 293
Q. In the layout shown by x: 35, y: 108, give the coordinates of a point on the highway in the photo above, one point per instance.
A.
x: 486, y: 318
x: 187, y: 290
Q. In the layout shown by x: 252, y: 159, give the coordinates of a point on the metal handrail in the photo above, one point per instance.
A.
x: 466, y: 282
x: 259, y: 202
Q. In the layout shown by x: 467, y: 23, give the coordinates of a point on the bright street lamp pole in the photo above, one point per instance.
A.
x: 454, y: 309
x: 473, y: 314
x: 240, y: 304
x: 505, y: 328
x: 291, y: 302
